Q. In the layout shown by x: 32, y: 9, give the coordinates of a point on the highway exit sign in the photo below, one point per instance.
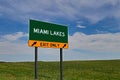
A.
x: 47, y: 35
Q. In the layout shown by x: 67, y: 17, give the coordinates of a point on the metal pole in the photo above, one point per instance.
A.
x: 36, y: 65
x: 61, y: 74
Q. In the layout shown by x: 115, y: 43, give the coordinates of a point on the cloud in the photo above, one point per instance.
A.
x: 81, y: 46
x: 80, y: 26
x: 107, y: 42
x: 101, y: 32
x: 7, y: 47
x: 96, y: 43
x: 15, y: 36
x: 92, y: 10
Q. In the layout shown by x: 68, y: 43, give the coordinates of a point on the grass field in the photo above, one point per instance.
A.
x: 72, y: 70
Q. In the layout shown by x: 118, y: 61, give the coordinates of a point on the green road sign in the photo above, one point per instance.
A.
x: 47, y: 34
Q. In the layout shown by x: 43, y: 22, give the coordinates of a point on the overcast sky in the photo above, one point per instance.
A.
x: 94, y: 28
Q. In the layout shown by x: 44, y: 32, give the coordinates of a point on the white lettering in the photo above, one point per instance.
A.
x: 48, y: 32
x: 41, y: 31
x: 36, y: 30
x: 55, y: 33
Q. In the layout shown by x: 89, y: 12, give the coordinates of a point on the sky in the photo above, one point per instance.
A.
x: 94, y: 29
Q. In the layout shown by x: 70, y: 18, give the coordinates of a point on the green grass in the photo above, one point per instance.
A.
x: 72, y: 70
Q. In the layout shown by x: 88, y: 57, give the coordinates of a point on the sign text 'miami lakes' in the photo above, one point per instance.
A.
x: 48, y: 32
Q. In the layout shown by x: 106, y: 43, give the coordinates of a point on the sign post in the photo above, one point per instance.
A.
x: 47, y: 35
x: 36, y: 64
x: 61, y: 59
